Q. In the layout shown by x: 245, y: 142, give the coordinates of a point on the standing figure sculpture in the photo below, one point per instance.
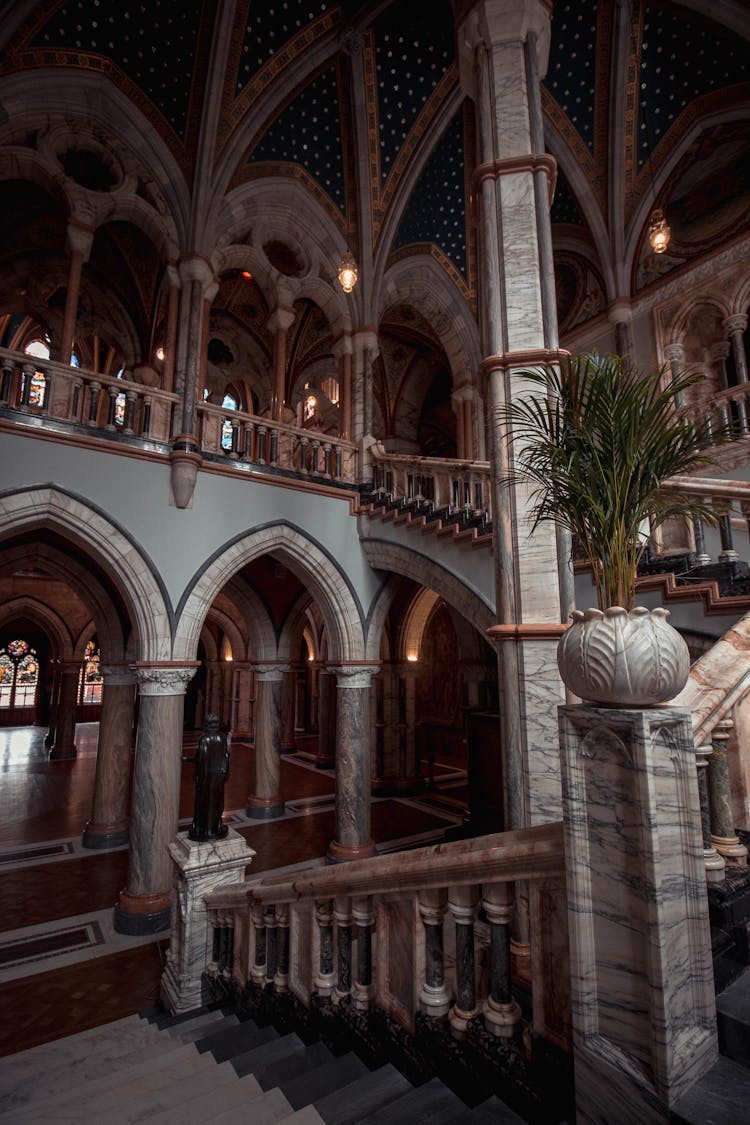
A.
x: 211, y: 772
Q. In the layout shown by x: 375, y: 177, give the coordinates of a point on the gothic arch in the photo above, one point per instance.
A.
x: 101, y: 540
x: 47, y: 620
x: 313, y: 567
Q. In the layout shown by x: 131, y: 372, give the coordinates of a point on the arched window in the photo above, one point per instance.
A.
x: 19, y: 675
x: 90, y: 679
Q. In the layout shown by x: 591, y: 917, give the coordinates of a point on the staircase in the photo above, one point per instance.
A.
x: 209, y: 1066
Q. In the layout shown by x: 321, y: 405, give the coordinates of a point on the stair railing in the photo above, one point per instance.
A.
x: 425, y: 931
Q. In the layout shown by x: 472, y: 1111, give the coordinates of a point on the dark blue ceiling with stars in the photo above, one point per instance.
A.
x: 269, y: 27
x: 571, y: 73
x: 564, y: 206
x: 681, y: 61
x: 412, y: 54
x: 308, y: 132
x: 436, y: 211
x: 154, y: 43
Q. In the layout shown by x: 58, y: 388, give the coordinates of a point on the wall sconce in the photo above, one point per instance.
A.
x: 412, y: 657
x: 160, y: 354
x: 658, y: 231
x: 348, y: 272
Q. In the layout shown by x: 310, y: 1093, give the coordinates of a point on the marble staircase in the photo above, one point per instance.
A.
x: 213, y: 1066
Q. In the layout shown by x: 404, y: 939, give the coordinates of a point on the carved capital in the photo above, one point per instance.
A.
x: 163, y: 679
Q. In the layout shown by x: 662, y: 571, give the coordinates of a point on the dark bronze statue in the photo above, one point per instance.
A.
x: 211, y: 772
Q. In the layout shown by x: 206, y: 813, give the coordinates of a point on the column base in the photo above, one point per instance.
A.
x: 104, y: 836
x: 501, y: 1020
x: 137, y: 915
x: 264, y: 808
x: 345, y: 853
x: 61, y: 753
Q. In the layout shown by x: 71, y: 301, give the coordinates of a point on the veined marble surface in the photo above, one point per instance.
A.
x: 641, y: 973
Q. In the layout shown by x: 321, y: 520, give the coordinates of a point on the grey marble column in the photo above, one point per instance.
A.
x: 326, y: 716
x: 288, y: 692
x: 108, y: 826
x: 736, y: 327
x: 353, y: 729
x: 723, y: 836
x: 434, y: 998
x: 644, y: 1011
x: 54, y: 703
x: 463, y: 906
x: 143, y: 906
x: 65, y: 727
x: 714, y: 863
x: 409, y: 778
x: 265, y: 803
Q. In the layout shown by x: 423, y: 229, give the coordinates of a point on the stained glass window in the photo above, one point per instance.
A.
x: 229, y: 402
x: 19, y: 674
x: 90, y: 680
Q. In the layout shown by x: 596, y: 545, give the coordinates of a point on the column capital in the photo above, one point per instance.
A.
x: 270, y: 673
x: 529, y: 357
x: 164, y: 678
x: 197, y: 268
x: 281, y: 319
x: 674, y: 353
x: 620, y: 311
x: 721, y: 349
x: 80, y: 237
x: 354, y: 675
x: 737, y: 322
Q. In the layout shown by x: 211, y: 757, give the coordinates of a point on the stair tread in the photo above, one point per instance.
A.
x: 83, y: 1041
x: 292, y: 1064
x: 321, y: 1074
x: 157, y: 1101
x: 242, y: 1092
x: 257, y: 1059
x: 307, y: 1115
x: 351, y: 1104
x: 193, y: 1034
x: 148, y: 1073
x: 209, y: 1021
x: 237, y: 1041
x: 422, y: 1105
x: 272, y: 1106
x: 720, y: 1097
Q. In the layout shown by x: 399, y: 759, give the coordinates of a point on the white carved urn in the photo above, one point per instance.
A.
x: 623, y: 658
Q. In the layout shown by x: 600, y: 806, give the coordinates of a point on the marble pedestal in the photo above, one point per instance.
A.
x: 198, y: 869
x: 640, y: 947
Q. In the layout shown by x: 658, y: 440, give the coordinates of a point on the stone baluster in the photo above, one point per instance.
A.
x: 727, y: 553
x: 502, y: 1014
x: 247, y: 454
x: 723, y: 836
x: 7, y: 380
x: 258, y: 970
x: 112, y: 408
x: 65, y: 726
x: 146, y: 423
x: 325, y: 979
x: 735, y: 327
x: 342, y: 913
x: 261, y: 456
x: 303, y: 444
x: 364, y: 920
x: 94, y: 392
x: 273, y: 456
x: 29, y: 372
x: 226, y: 944
x: 130, y: 401
x: 265, y: 803
x: 715, y: 864
x: 143, y: 906
x: 108, y: 826
x: 462, y: 905
x: 434, y: 999
x: 353, y: 733
x: 281, y: 976
x: 272, y: 943
x: 703, y: 559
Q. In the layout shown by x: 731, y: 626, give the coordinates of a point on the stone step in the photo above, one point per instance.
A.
x: 366, y: 1095
x: 272, y: 1106
x: 207, y: 1021
x: 308, y: 1115
x: 83, y: 1042
x: 429, y: 1104
x: 239, y: 1096
x: 260, y: 1058
x: 322, y: 1079
x: 720, y: 1097
x: 236, y: 1041
x: 201, y: 1031
x: 292, y: 1064
x: 154, y: 1102
x: 733, y: 1020
x: 150, y: 1073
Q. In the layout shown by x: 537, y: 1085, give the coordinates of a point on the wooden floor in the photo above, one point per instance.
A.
x: 43, y: 808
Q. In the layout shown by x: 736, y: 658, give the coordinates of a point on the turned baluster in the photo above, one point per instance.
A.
x: 700, y: 542
x: 261, y: 445
x: 146, y: 427
x: 714, y: 863
x: 5, y: 384
x: 501, y: 1012
x: 258, y: 970
x: 94, y: 392
x: 364, y: 920
x: 130, y: 401
x: 343, y: 917
x: 28, y: 375
x: 325, y: 980
x: 274, y: 447
x: 281, y: 976
x: 249, y: 430
x: 272, y: 944
x: 434, y: 999
x: 112, y: 409
x: 723, y: 836
x: 462, y: 905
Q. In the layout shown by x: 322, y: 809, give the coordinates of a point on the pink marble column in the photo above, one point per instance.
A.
x: 353, y: 730
x: 108, y: 826
x: 265, y: 803
x: 65, y: 727
x: 143, y: 906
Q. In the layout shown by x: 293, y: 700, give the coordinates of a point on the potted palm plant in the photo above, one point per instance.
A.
x: 597, y: 442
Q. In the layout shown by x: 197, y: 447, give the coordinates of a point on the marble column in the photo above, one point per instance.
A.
x: 143, y: 906
x: 353, y: 839
x: 198, y: 286
x: 279, y: 323
x: 502, y: 49
x: 326, y: 719
x: 714, y: 863
x: 644, y: 1011
x: 65, y: 726
x: 463, y: 906
x: 723, y: 836
x: 265, y: 803
x: 620, y: 316
x: 108, y: 826
x: 409, y: 778
x: 54, y: 702
x: 735, y: 328
x: 170, y: 339
x: 434, y: 998
x: 288, y: 702
x: 342, y: 351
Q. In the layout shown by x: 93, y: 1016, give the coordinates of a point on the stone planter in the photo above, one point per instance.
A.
x: 622, y: 658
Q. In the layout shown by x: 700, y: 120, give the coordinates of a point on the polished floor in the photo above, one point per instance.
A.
x: 62, y: 966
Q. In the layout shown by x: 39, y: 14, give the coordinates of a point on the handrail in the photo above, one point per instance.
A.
x: 524, y: 853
